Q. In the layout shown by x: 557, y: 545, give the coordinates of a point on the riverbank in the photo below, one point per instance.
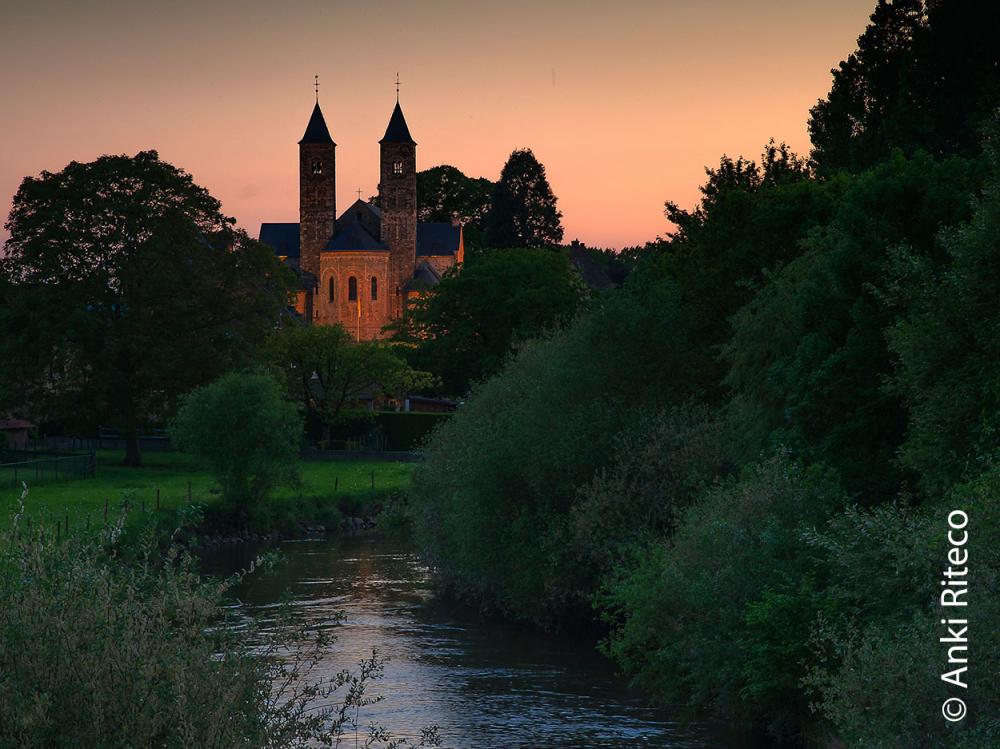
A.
x: 173, y: 487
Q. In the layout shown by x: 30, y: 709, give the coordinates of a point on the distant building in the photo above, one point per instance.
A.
x: 14, y: 432
x: 360, y: 268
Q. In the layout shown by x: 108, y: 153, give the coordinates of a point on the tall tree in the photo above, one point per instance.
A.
x: 444, y: 193
x: 466, y: 327
x: 524, y: 212
x: 924, y: 77
x: 124, y: 287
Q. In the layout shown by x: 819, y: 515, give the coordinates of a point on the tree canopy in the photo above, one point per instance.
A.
x: 524, y: 212
x: 466, y: 327
x: 924, y: 76
x: 325, y: 370
x: 124, y: 287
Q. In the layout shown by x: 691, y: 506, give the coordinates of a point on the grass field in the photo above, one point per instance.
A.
x: 323, y: 483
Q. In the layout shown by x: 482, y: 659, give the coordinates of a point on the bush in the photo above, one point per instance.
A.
x: 247, y: 433
x: 681, y: 618
x: 879, y: 682
x: 408, y: 431
x: 97, y: 652
x: 660, y: 464
x: 491, y: 502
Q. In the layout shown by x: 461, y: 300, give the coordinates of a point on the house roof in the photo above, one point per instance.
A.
x: 316, y: 130
x: 437, y: 239
x: 354, y: 237
x: 12, y: 424
x: 397, y: 131
x: 284, y: 238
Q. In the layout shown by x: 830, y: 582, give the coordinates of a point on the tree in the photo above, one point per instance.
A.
x: 444, y: 194
x: 325, y: 370
x: 468, y: 324
x: 124, y: 287
x: 524, y: 212
x: 751, y: 219
x: 492, y: 501
x: 807, y: 356
x: 946, y: 347
x: 924, y: 77
x: 246, y: 431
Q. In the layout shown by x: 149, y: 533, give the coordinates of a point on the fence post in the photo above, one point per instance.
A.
x: 373, y: 479
x: 67, y: 525
x: 336, y: 483
x: 105, y: 509
x: 157, y: 499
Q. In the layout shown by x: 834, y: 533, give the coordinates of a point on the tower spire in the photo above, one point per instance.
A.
x: 316, y: 85
x: 397, y: 88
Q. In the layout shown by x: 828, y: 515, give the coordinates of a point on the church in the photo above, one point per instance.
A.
x: 361, y: 267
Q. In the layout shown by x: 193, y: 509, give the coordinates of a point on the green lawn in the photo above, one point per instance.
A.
x: 171, y: 473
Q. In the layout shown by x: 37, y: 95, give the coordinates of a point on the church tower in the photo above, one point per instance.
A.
x: 317, y: 191
x: 398, y: 200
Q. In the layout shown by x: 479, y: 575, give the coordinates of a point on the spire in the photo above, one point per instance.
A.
x: 397, y: 132
x: 316, y: 130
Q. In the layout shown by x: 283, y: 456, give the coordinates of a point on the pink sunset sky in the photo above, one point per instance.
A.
x: 624, y: 102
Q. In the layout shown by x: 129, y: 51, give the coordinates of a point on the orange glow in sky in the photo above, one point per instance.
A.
x: 624, y: 102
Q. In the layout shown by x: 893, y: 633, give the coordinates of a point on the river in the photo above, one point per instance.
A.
x: 485, y: 684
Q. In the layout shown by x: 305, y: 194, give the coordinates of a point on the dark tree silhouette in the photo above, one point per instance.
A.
x: 444, y: 193
x: 524, y: 212
x: 925, y: 75
x: 124, y: 287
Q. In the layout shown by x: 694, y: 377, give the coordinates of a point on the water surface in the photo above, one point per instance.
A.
x: 484, y: 684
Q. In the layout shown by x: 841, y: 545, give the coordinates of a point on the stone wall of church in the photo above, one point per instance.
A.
x: 336, y: 271
x: 398, y: 200
x: 317, y: 201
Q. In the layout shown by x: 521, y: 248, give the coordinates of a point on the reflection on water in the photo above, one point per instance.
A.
x: 484, y: 684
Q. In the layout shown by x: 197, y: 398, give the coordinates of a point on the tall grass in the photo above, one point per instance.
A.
x: 100, y: 651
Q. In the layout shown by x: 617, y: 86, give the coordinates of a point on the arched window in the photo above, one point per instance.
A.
x: 352, y: 289
x: 333, y: 285
x: 374, y: 288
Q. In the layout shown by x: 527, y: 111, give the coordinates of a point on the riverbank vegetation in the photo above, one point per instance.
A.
x: 326, y: 490
x: 742, y: 461
x: 98, y: 650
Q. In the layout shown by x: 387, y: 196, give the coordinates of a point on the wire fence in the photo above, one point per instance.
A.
x: 38, y: 468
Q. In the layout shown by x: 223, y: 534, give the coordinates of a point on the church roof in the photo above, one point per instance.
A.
x: 397, y: 132
x: 437, y: 239
x: 354, y: 237
x: 316, y: 130
x: 284, y: 238
x: 423, y: 277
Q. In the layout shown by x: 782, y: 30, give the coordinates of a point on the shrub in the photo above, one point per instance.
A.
x: 679, y: 614
x: 660, y: 464
x: 879, y: 680
x: 408, y: 431
x: 245, y: 430
x: 99, y: 652
x: 491, y: 502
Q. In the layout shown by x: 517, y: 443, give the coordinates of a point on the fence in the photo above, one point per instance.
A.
x: 154, y: 443
x: 39, y: 468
